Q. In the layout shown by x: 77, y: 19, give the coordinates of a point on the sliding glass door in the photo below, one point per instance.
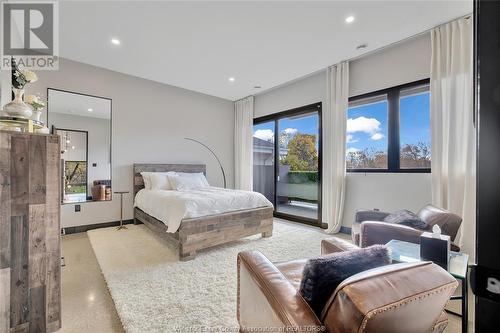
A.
x: 263, y: 159
x: 287, y: 162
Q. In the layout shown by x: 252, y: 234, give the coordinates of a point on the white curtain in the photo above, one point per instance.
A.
x: 243, y: 144
x: 453, y: 133
x: 334, y: 145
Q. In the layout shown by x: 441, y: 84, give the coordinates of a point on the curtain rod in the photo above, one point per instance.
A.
x: 467, y: 16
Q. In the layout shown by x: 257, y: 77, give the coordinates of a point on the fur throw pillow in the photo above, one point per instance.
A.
x: 405, y: 217
x: 323, y: 274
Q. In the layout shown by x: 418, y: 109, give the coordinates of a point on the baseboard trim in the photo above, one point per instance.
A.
x: 345, y: 230
x: 87, y: 227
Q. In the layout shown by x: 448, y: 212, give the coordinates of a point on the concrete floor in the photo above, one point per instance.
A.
x: 87, y: 305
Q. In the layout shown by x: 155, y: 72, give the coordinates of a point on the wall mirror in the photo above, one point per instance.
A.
x: 84, y: 124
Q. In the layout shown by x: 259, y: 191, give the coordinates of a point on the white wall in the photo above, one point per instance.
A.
x: 401, y: 63
x: 5, y: 87
x: 149, y: 123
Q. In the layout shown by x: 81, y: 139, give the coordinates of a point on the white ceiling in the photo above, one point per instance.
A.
x: 78, y: 104
x: 199, y: 45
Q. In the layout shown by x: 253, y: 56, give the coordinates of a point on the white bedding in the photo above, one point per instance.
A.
x: 170, y: 206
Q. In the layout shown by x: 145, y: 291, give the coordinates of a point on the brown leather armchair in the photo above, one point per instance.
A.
x: 394, y: 298
x: 369, y: 228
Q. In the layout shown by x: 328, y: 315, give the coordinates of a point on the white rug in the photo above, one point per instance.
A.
x: 154, y: 292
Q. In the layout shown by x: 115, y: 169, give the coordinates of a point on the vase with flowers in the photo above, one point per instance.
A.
x: 37, y: 104
x: 18, y: 108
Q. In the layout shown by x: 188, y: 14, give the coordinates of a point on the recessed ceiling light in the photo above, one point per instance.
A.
x: 231, y: 79
x: 73, y: 147
x: 90, y: 109
x: 115, y: 41
x: 257, y: 87
x: 349, y: 19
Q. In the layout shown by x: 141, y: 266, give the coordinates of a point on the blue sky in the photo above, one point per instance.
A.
x: 307, y: 125
x: 415, y: 119
x: 367, y: 125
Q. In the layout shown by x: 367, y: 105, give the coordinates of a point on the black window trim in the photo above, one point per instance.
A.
x: 298, y: 111
x: 393, y: 144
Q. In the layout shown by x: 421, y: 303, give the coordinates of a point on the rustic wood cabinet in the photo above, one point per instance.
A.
x: 30, y: 248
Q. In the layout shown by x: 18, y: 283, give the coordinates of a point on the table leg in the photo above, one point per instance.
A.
x: 465, y: 305
x: 121, y: 213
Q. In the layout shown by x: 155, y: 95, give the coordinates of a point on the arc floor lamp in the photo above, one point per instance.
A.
x: 213, y: 153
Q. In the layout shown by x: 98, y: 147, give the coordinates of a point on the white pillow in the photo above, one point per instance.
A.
x: 146, y: 180
x: 198, y: 175
x: 157, y: 180
x: 188, y: 181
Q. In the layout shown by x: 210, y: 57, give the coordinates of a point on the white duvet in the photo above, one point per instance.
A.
x: 171, y: 206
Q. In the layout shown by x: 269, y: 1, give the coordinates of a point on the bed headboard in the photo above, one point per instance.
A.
x: 148, y: 167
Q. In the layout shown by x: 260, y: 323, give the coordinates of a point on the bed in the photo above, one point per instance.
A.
x: 202, y: 232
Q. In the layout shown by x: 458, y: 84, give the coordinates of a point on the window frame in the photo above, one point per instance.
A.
x: 393, y: 133
x: 315, y: 107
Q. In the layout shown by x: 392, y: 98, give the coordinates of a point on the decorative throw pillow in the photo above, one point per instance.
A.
x: 406, y: 217
x: 322, y: 275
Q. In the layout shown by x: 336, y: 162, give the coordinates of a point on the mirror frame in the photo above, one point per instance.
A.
x: 52, y: 131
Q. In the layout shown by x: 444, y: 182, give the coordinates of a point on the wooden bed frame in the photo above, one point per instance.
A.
x: 207, y: 231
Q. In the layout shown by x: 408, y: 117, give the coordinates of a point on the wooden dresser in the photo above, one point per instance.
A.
x: 30, y: 248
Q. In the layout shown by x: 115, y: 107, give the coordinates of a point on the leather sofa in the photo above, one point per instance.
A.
x: 369, y: 228
x: 394, y: 298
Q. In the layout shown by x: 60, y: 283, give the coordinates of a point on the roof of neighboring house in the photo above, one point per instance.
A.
x: 262, y: 143
x: 267, y: 147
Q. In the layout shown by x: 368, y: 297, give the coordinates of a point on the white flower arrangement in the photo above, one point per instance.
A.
x: 24, y: 77
x: 35, y: 101
x: 30, y: 76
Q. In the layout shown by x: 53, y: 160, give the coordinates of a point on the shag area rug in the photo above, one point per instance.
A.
x: 154, y: 292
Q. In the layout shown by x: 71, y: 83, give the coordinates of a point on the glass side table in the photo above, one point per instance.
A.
x: 458, y: 265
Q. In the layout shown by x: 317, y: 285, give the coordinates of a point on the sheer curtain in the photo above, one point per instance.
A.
x: 453, y: 134
x: 334, y: 142
x: 243, y: 144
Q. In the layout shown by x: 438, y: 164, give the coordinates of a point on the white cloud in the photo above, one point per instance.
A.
x: 363, y: 124
x: 264, y: 134
x: 350, y: 139
x: 290, y: 131
x: 353, y: 150
x: 377, y: 136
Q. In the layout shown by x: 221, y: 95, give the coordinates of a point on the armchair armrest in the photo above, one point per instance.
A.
x: 370, y: 215
x: 267, y: 300
x: 334, y: 244
x: 375, y: 232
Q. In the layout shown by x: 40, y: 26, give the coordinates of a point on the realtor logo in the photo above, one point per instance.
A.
x: 30, y: 34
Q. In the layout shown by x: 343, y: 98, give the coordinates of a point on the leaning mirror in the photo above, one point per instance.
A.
x: 84, y: 124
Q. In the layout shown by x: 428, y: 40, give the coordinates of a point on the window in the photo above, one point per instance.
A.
x: 75, y: 179
x: 389, y: 130
x: 414, y: 128
x: 367, y: 133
